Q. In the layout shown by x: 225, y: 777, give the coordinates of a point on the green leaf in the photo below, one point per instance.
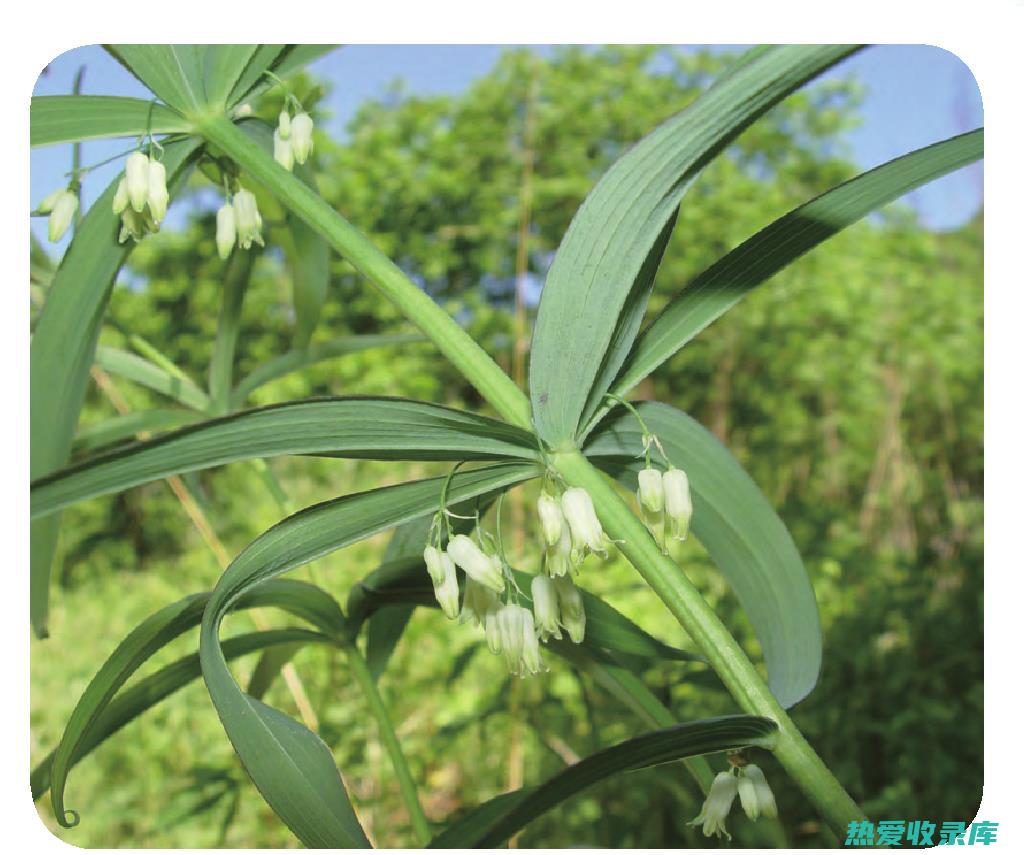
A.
x: 67, y: 118
x: 296, y: 360
x: 129, y: 704
x: 291, y: 766
x: 744, y: 536
x: 369, y: 428
x: 174, y: 73
x: 225, y: 65
x: 222, y: 362
x: 608, y: 244
x: 262, y: 59
x: 288, y: 59
x: 62, y: 352
x: 497, y: 820
x: 269, y: 667
x: 299, y: 598
x: 308, y: 258
x: 720, y: 287
x: 126, y: 426
x: 140, y: 370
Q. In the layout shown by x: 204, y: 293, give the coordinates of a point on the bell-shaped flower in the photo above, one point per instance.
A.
x: 447, y: 592
x: 570, y: 608
x: 135, y: 225
x: 478, y: 565
x: 248, y: 221
x: 551, y: 520
x: 650, y: 492
x: 157, y: 196
x: 678, y: 506
x: 584, y: 526
x: 558, y: 559
x: 136, y: 180
x: 492, y: 629
x: 283, y: 153
x: 120, y: 202
x: 519, y: 640
x: 545, y: 607
x: 717, y: 805
x: 302, y: 137
x: 62, y: 214
x: 284, y: 125
x: 226, y: 231
x: 437, y: 564
x: 47, y: 205
x: 756, y: 797
x: 477, y: 602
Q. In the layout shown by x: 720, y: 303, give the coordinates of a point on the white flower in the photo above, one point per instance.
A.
x: 226, y: 232
x: 650, y: 492
x: 717, y: 805
x: 120, y: 197
x: 492, y: 630
x: 437, y: 564
x: 570, y: 608
x: 584, y: 525
x: 283, y: 153
x: 678, y: 507
x: 134, y: 225
x: 157, y: 197
x: 302, y: 136
x: 477, y: 564
x: 559, y: 559
x: 62, y: 215
x: 284, y: 125
x: 519, y: 640
x: 447, y: 591
x: 551, y: 521
x: 545, y: 607
x: 247, y: 219
x: 756, y: 796
x: 477, y: 602
x: 136, y: 179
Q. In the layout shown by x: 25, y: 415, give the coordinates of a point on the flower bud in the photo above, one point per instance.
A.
x: 717, y: 805
x: 434, y: 558
x: 247, y: 219
x: 226, y: 233
x: 284, y: 125
x: 584, y: 525
x: 283, y: 151
x: 62, y: 215
x: 477, y: 565
x: 302, y: 137
x: 678, y: 507
x: 477, y: 602
x: 756, y: 797
x: 570, y: 608
x: 136, y: 180
x: 650, y: 492
x: 120, y: 197
x: 50, y: 201
x: 447, y: 591
x: 157, y: 197
x: 545, y: 607
x: 551, y: 522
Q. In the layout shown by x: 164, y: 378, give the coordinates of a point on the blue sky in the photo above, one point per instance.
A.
x: 916, y: 95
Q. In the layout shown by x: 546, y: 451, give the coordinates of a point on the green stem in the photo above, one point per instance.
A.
x: 454, y: 342
x: 361, y: 671
x: 664, y: 577
x: 236, y: 281
x: 723, y: 652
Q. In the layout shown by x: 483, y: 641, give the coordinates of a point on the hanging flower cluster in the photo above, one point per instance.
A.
x: 743, y: 779
x: 238, y: 220
x: 141, y: 197
x: 293, y: 138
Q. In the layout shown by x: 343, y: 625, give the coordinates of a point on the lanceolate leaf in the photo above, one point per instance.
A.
x: 67, y: 118
x: 62, y: 352
x: 301, y: 599
x: 174, y: 73
x: 119, y: 428
x: 610, y: 238
x: 296, y: 360
x: 225, y: 65
x: 222, y: 362
x: 308, y: 260
x: 741, y: 532
x: 288, y: 59
x: 374, y: 428
x: 143, y: 695
x: 291, y: 766
x: 495, y: 821
x: 712, y: 293
x: 140, y: 370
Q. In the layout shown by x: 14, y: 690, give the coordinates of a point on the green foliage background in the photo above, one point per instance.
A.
x: 850, y: 387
